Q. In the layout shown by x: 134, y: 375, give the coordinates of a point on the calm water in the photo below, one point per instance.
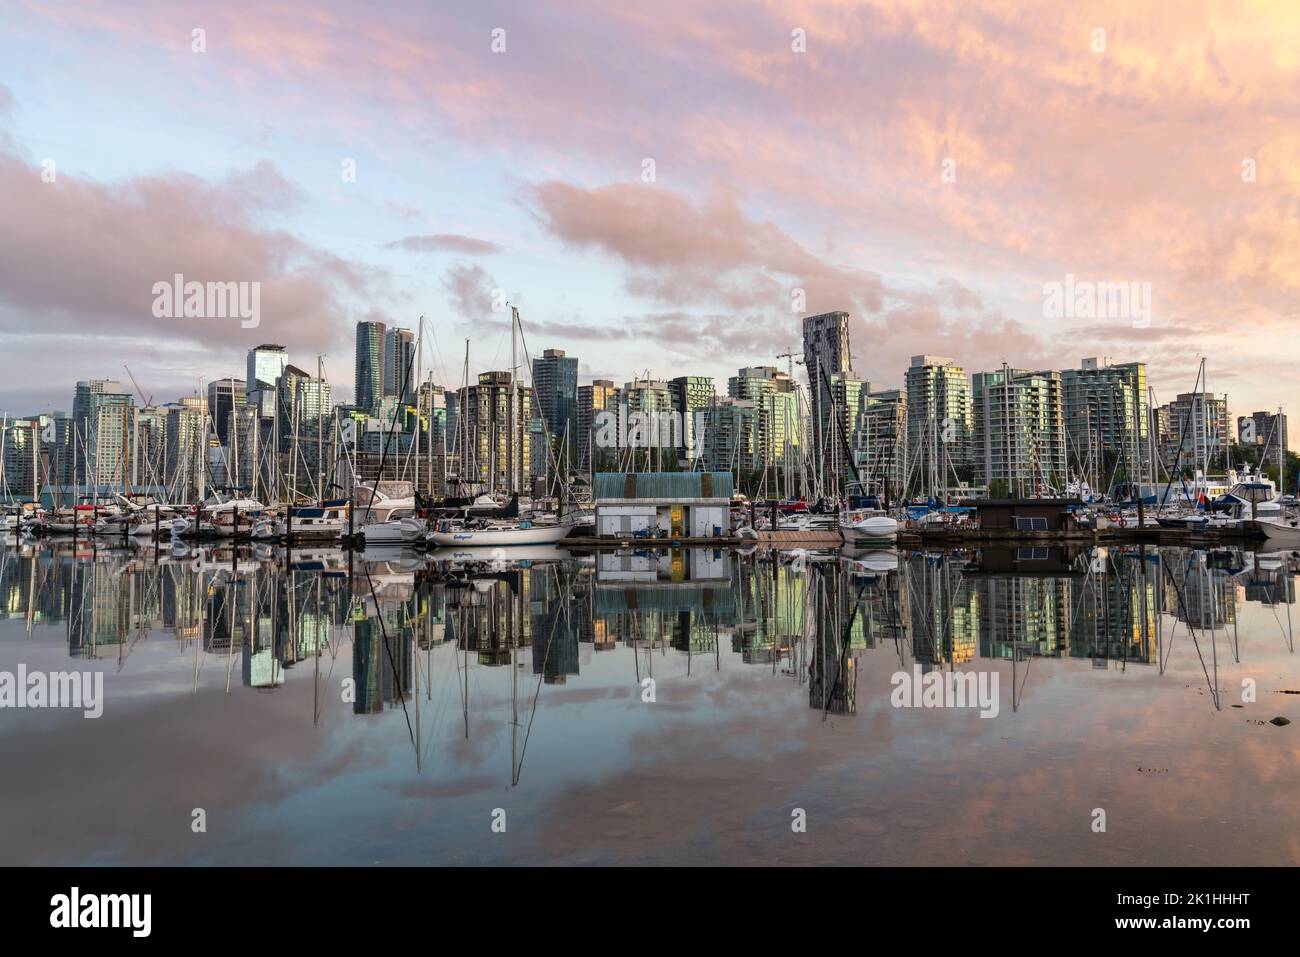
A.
x: 392, y: 715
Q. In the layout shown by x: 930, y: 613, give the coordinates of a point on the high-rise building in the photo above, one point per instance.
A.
x: 224, y: 396
x: 600, y: 396
x: 1107, y: 420
x: 150, y: 443
x: 22, y: 457
x: 776, y: 404
x: 496, y: 435
x: 101, y: 413
x: 850, y: 395
x: 729, y: 439
x: 1019, y: 435
x: 399, y: 363
x: 304, y: 403
x: 691, y: 395
x: 305, y: 412
x: 1265, y: 433
x: 265, y: 363
x: 939, y: 422
x: 431, y: 401
x: 825, y: 354
x: 187, y: 455
x: 555, y: 383
x: 1197, y: 433
x: 370, y: 366
x: 880, y: 442
x: 646, y: 416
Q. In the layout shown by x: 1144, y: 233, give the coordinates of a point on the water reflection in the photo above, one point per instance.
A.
x: 448, y: 668
x: 806, y: 617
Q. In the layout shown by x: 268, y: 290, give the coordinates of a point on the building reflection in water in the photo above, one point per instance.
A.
x: 804, y: 618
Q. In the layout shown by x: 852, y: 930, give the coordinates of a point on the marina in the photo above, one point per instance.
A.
x: 496, y: 435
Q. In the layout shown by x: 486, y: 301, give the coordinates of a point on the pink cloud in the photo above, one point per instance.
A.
x: 90, y: 254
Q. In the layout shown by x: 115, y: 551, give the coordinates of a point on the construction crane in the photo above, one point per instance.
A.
x: 147, y: 400
x: 794, y: 357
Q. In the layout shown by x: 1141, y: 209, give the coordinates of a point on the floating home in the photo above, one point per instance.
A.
x: 663, y: 504
x: 1025, y: 514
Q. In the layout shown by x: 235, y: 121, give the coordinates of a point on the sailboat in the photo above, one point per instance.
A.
x: 449, y: 533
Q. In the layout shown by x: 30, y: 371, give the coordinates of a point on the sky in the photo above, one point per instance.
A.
x: 659, y: 188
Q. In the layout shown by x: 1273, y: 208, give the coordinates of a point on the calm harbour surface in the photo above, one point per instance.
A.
x: 675, y: 707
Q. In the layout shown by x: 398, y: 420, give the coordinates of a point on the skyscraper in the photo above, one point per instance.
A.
x: 185, y: 427
x: 555, y: 382
x: 1019, y: 431
x: 776, y: 412
x: 880, y: 441
x: 399, y: 363
x: 1108, y: 419
x: 730, y: 437
x: 369, y: 366
x: 593, y: 399
x: 1197, y: 435
x: 497, y: 442
x: 101, y: 413
x: 691, y: 395
x: 939, y: 422
x: 825, y: 354
x: 265, y: 363
x: 224, y: 396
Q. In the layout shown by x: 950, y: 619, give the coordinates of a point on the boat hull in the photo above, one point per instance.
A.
x: 877, y: 527
x: 498, y: 538
x: 1285, y: 536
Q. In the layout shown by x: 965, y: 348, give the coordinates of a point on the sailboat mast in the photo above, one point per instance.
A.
x: 419, y: 343
x: 514, y: 393
x: 320, y: 427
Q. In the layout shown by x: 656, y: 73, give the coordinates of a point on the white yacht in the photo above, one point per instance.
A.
x: 386, y: 512
x: 865, y: 524
x: 327, y: 521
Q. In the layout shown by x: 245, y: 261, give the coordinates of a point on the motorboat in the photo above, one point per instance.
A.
x: 387, y: 512
x: 327, y: 521
x: 1281, y: 533
x: 875, y: 562
x: 868, y: 524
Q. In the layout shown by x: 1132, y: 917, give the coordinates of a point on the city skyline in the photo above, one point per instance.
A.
x: 684, y: 238
x: 1007, y: 431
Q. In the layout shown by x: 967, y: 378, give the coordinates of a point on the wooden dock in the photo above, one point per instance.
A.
x: 936, y: 537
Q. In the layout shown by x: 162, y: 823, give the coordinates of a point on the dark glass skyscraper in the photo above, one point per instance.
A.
x: 555, y: 379
x: 399, y: 364
x: 370, y: 366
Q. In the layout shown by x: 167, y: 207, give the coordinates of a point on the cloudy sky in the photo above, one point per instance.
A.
x: 658, y: 187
